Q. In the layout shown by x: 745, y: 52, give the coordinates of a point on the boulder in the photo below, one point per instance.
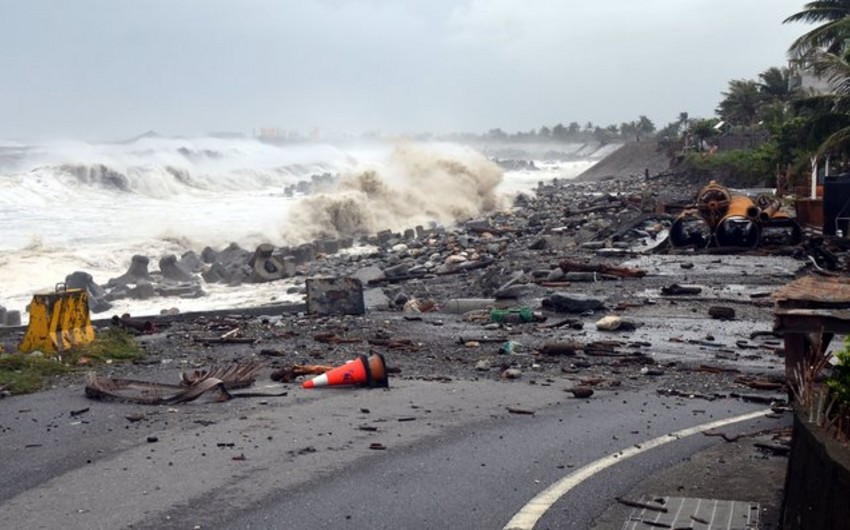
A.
x: 565, y: 302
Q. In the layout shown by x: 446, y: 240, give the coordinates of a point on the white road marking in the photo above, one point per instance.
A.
x: 527, y: 517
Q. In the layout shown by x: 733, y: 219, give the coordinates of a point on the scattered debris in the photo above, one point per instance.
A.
x: 721, y: 312
x: 644, y: 505
x: 193, y: 386
x: 678, y: 290
x: 581, y: 392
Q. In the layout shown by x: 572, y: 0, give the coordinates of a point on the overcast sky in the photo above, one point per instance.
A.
x: 97, y: 69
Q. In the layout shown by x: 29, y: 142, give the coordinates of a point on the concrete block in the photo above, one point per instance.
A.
x: 335, y: 296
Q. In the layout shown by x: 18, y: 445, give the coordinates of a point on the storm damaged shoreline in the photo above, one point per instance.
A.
x: 572, y: 291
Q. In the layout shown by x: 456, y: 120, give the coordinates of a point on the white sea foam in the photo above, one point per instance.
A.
x: 74, y: 206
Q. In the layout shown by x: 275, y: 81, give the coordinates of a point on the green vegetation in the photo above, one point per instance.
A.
x: 22, y: 373
x: 571, y: 133
x: 748, y: 167
x: 839, y: 381
x: 792, y: 125
x: 111, y: 344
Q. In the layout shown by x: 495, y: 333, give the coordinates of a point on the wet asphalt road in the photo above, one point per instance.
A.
x: 454, y: 456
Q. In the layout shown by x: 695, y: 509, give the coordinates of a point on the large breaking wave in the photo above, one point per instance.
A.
x: 161, y: 167
x: 415, y: 186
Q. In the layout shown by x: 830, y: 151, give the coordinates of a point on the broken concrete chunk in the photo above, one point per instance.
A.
x: 609, y: 323
x: 721, y: 312
x: 572, y: 302
x: 676, y: 289
x: 375, y: 298
x: 560, y: 348
x: 370, y: 274
x: 557, y: 274
x: 512, y: 373
x: 335, y: 296
x: 582, y: 392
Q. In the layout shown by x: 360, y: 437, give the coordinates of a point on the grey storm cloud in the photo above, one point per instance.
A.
x: 107, y: 68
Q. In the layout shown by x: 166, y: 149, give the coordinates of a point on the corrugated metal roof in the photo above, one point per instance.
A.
x: 832, y: 291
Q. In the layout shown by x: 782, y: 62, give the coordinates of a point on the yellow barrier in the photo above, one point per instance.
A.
x: 58, y: 321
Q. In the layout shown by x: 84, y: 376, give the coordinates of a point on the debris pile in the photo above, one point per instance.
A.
x: 721, y: 218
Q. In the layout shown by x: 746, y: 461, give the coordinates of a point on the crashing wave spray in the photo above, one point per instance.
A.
x: 417, y: 185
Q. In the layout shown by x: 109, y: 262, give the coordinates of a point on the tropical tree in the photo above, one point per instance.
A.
x: 628, y: 129
x: 703, y: 129
x: 497, y: 134
x: 831, y: 35
x: 775, y: 84
x: 644, y: 125
x: 741, y: 102
x: 559, y: 132
x: 828, y: 115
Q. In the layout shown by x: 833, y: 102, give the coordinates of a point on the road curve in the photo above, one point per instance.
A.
x: 454, y: 457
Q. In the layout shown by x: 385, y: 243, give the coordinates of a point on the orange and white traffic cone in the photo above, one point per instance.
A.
x: 363, y: 371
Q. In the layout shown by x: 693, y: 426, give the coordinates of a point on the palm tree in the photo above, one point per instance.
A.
x: 776, y: 84
x: 829, y: 114
x: 831, y: 35
x: 741, y: 103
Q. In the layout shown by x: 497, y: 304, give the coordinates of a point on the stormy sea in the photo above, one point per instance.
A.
x: 75, y: 206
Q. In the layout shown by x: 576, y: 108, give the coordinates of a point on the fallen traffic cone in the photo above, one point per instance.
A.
x: 363, y: 371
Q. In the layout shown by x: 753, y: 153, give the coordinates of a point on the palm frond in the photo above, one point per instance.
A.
x: 838, y: 141
x: 815, y: 12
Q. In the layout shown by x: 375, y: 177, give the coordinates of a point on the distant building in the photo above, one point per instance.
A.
x: 808, y: 81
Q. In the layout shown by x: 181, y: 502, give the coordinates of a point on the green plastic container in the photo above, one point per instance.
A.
x: 515, y: 315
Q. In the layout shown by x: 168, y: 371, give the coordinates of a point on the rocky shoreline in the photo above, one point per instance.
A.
x: 593, y: 304
x: 429, y: 295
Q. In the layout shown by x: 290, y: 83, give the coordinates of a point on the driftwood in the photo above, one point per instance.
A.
x: 225, y: 340
x: 288, y: 374
x: 620, y: 272
x: 597, y: 208
x: 233, y: 376
x: 644, y: 505
x: 483, y: 340
x: 405, y: 344
x: 760, y: 384
x: 467, y: 266
x: 193, y: 385
x: 561, y: 323
x: 333, y: 338
x: 148, y: 393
